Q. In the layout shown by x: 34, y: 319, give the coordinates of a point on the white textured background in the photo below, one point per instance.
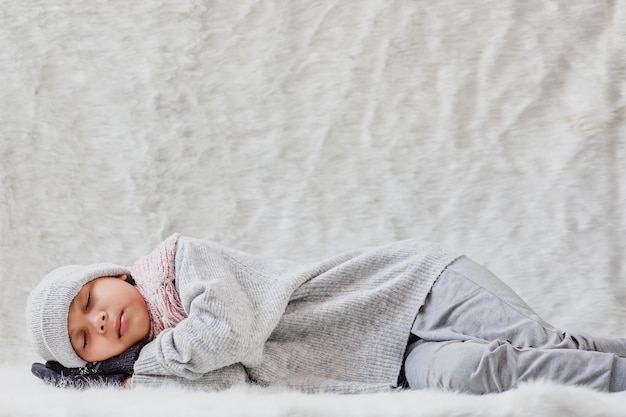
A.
x: 301, y: 128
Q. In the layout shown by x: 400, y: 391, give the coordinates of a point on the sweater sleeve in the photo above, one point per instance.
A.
x: 215, y: 334
x: 217, y: 380
x: 233, y: 303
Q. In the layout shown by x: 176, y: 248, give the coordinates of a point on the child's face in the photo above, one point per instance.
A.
x: 106, y: 317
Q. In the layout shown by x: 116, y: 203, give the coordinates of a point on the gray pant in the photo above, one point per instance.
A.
x: 474, y: 334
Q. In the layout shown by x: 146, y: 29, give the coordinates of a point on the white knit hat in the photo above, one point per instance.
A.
x: 49, y: 304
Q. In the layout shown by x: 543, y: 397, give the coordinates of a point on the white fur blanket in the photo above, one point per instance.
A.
x: 301, y: 128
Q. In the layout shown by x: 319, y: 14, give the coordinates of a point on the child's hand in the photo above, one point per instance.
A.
x: 115, y: 371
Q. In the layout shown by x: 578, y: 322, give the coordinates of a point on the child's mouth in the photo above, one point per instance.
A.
x: 122, y: 328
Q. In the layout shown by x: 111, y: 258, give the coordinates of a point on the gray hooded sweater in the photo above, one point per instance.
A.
x: 340, y: 325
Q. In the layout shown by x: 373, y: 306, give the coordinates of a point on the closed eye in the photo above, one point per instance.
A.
x: 86, y: 308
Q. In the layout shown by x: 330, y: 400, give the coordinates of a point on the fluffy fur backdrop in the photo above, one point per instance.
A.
x: 299, y: 129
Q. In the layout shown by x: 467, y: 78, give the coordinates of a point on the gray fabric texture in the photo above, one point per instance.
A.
x: 338, y: 325
x: 476, y: 335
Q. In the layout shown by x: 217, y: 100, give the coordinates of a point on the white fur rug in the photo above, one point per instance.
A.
x: 301, y: 128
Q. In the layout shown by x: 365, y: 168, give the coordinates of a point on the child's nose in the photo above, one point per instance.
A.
x: 100, y: 321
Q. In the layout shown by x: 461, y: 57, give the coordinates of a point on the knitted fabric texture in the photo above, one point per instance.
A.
x: 154, y: 277
x: 340, y: 324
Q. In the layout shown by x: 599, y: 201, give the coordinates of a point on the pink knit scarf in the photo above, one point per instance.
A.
x: 154, y: 277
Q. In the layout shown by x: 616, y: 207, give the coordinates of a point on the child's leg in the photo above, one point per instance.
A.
x: 475, y: 334
x: 481, y: 367
x: 470, y: 303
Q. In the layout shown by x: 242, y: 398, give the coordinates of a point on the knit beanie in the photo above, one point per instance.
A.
x: 48, y: 307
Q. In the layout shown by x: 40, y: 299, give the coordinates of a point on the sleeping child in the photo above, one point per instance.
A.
x: 409, y: 314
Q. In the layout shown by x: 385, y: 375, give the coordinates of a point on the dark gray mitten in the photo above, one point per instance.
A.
x: 110, y: 372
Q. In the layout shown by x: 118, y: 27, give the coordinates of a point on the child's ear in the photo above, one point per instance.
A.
x: 127, y: 278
